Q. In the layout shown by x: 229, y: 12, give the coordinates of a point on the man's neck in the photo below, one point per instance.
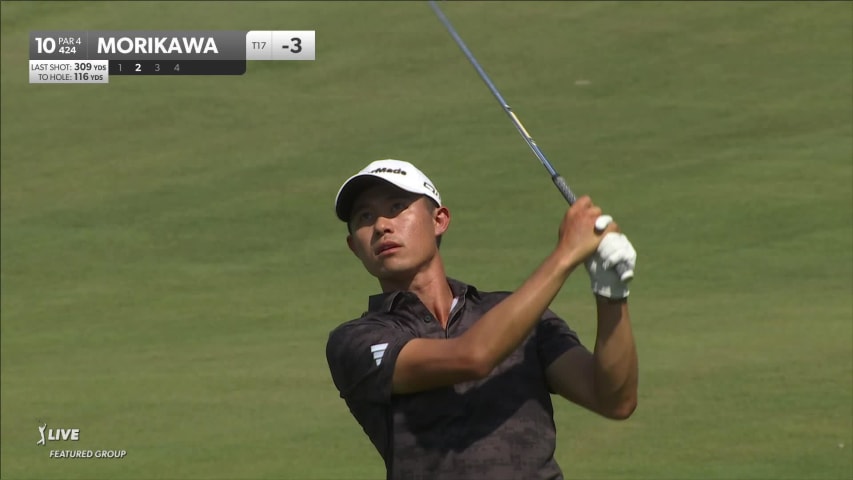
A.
x: 431, y: 287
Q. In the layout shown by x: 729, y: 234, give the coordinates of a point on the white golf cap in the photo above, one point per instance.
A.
x: 401, y: 174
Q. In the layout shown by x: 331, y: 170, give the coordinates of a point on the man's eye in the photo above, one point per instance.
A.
x: 364, y: 216
x: 398, y: 206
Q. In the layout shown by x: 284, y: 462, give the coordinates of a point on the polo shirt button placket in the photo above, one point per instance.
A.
x: 428, y: 318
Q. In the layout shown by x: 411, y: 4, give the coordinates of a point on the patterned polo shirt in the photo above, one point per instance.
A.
x: 500, y: 427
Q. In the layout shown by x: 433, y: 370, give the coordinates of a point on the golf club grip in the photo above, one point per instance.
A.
x: 564, y: 189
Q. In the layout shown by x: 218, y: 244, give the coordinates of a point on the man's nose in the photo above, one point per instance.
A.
x: 383, y: 224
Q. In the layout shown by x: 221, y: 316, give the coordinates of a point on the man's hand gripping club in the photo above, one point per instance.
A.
x: 611, y: 263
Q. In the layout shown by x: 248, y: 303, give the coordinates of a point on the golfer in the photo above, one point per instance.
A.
x: 450, y: 382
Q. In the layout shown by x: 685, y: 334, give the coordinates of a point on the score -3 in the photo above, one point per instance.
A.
x: 294, y: 47
x: 177, y: 67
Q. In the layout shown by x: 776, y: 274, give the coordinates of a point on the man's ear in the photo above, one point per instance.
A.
x: 441, y: 220
x: 351, y: 244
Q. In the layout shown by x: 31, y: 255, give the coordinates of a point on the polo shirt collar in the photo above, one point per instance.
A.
x: 384, y: 302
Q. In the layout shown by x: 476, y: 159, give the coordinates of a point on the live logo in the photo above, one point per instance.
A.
x: 72, y: 434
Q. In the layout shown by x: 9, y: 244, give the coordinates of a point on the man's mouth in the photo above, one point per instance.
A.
x: 387, y: 247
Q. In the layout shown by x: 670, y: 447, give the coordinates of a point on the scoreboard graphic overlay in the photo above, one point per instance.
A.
x: 95, y: 56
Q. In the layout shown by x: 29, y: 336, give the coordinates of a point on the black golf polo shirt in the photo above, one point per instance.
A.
x: 500, y: 427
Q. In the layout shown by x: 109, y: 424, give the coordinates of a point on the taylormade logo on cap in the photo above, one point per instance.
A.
x: 388, y: 170
x: 401, y: 174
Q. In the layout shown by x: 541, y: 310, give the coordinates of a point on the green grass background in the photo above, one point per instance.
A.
x: 171, y: 263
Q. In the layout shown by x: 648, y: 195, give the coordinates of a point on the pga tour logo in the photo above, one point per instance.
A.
x: 56, y: 434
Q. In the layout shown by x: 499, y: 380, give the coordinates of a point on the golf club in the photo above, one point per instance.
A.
x: 624, y: 272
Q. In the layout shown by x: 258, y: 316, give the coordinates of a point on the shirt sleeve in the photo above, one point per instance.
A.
x: 362, y: 355
x: 554, y: 338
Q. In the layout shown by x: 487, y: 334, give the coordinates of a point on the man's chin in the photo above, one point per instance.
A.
x: 394, y: 273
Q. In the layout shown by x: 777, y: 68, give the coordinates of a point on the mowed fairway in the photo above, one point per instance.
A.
x: 171, y: 263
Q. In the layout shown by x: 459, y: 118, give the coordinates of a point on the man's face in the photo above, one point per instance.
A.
x: 393, y: 231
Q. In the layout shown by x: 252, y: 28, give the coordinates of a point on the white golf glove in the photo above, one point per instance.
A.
x: 612, y: 265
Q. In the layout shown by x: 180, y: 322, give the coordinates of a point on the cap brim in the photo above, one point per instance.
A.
x: 350, y: 191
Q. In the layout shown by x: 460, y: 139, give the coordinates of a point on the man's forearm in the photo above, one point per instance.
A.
x: 616, y: 365
x: 505, y: 326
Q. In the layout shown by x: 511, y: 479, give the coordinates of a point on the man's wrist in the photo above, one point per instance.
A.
x: 602, y: 300
x: 566, y: 264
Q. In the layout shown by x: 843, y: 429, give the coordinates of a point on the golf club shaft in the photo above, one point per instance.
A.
x: 558, y: 180
x: 625, y: 273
